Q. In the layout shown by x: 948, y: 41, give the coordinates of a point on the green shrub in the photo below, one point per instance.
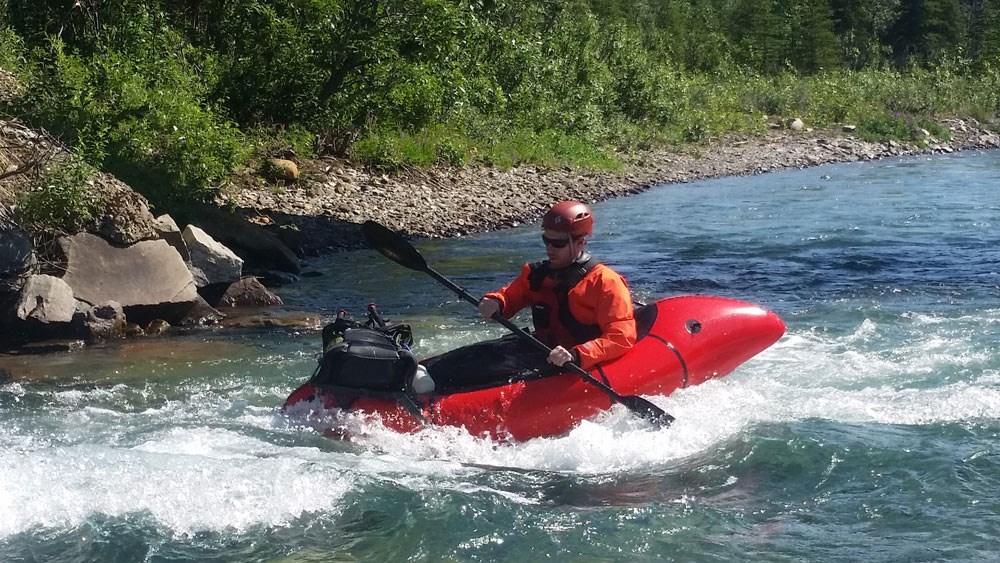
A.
x: 937, y: 130
x: 884, y: 128
x: 62, y: 200
x: 451, y: 151
x: 11, y: 50
x: 273, y: 141
x: 138, y: 114
x: 696, y: 128
x: 548, y: 148
x: 377, y: 151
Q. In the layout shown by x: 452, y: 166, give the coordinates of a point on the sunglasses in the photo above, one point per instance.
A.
x: 556, y: 242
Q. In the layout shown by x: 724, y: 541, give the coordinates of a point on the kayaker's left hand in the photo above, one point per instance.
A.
x: 488, y: 307
x: 559, y: 356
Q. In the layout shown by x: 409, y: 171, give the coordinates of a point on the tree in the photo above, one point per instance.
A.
x: 985, y: 32
x: 859, y: 25
x: 813, y: 44
x: 756, y: 31
x: 926, y: 31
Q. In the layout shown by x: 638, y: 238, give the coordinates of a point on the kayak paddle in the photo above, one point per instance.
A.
x: 394, y: 247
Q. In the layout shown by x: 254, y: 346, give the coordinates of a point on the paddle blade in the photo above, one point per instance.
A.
x: 647, y: 410
x: 393, y: 246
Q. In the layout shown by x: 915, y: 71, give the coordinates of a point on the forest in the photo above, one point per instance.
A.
x: 174, y: 96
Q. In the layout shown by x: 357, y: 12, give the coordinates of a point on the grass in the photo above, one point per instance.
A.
x: 884, y: 105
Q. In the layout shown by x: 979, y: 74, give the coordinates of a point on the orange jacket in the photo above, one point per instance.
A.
x: 601, y: 298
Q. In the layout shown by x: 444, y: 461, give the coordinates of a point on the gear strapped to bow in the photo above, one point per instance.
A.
x: 370, y: 356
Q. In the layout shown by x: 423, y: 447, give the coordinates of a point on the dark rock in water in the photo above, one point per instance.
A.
x: 275, y: 278
x: 50, y: 346
x: 293, y: 238
x: 201, y: 314
x: 249, y: 292
x: 272, y: 319
x: 105, y: 322
x: 157, y: 327
x: 133, y: 330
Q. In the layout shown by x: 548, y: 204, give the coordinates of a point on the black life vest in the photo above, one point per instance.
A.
x: 552, y: 304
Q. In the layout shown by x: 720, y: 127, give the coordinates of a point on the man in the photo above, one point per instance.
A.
x: 580, y: 308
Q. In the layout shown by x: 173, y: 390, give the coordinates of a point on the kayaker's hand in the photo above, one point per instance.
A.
x: 559, y: 356
x: 488, y: 307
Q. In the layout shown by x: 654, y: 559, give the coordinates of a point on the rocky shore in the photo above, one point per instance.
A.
x: 332, y: 197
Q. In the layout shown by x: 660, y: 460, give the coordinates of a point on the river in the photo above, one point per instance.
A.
x: 869, y: 432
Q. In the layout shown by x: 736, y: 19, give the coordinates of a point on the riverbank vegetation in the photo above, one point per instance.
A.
x: 174, y: 96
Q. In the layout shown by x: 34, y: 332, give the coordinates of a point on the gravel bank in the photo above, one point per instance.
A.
x: 333, y: 197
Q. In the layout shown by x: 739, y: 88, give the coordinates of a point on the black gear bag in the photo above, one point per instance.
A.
x: 366, y: 357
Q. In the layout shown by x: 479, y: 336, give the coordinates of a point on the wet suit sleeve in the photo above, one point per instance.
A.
x: 610, y: 305
x: 514, y: 296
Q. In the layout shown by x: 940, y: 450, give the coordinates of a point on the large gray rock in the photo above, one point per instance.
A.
x: 260, y: 249
x: 166, y: 228
x: 146, y: 273
x: 211, y: 262
x: 46, y: 299
x: 126, y: 218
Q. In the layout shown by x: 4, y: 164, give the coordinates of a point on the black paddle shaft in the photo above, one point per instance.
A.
x: 394, y: 247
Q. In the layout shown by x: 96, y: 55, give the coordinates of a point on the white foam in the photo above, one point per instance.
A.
x: 186, y: 480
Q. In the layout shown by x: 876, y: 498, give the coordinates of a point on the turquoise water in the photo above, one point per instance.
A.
x: 869, y: 432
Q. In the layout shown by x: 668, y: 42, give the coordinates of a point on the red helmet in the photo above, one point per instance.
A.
x: 570, y: 217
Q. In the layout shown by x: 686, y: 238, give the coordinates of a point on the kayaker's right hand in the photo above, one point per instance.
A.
x: 488, y: 307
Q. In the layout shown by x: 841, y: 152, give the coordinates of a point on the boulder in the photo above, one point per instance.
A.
x: 147, y: 274
x: 280, y: 170
x: 46, y: 299
x: 104, y: 322
x: 156, y: 327
x: 166, y: 228
x: 133, y: 330
x: 211, y: 262
x: 126, y: 218
x: 249, y: 292
x: 259, y: 248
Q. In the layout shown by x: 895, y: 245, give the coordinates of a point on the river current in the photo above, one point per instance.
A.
x: 869, y: 432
